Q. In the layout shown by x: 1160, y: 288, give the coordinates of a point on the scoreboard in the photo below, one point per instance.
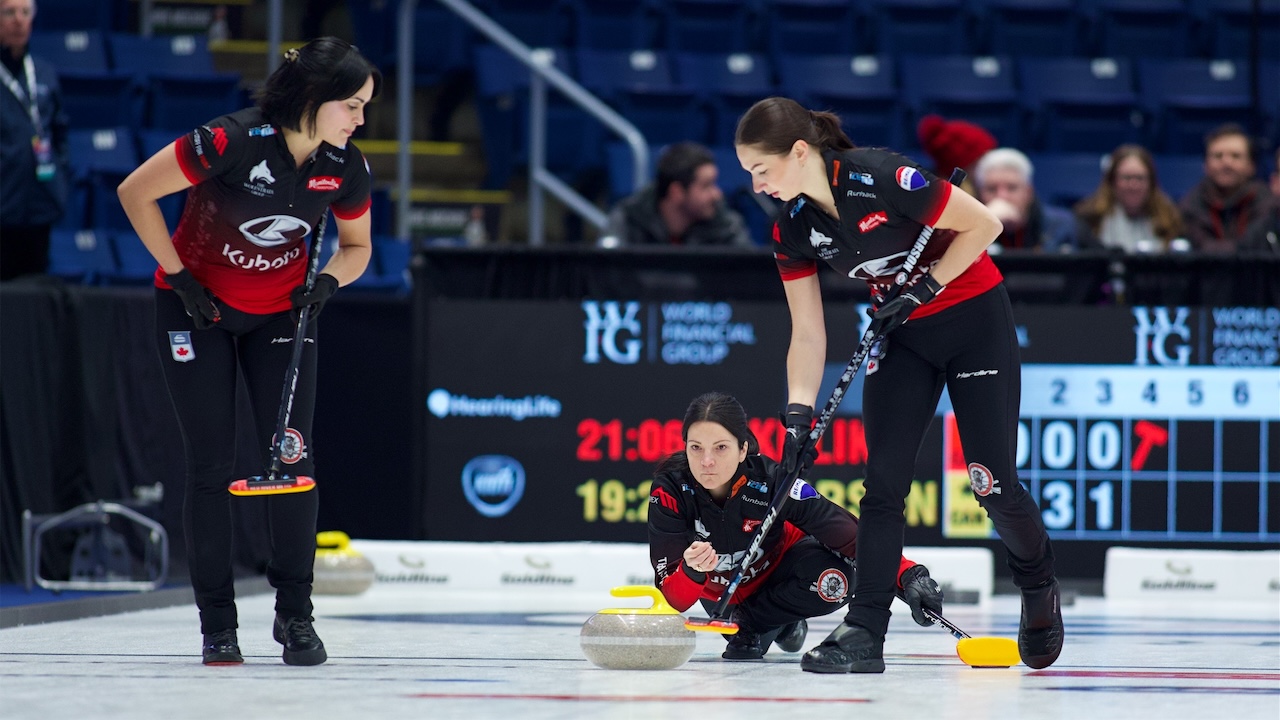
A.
x: 542, y: 420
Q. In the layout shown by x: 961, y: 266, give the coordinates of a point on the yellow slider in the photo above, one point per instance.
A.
x: 988, y: 652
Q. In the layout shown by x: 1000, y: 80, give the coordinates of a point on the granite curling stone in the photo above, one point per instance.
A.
x: 339, y: 569
x: 652, y: 638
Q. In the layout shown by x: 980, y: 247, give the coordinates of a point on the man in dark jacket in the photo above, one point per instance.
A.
x: 683, y: 207
x: 33, y: 159
x: 1230, y: 209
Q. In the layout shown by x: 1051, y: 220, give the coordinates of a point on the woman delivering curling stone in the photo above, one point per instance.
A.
x: 704, y: 508
x: 228, y: 290
x: 861, y: 210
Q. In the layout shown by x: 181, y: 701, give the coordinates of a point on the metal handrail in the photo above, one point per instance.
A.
x: 542, y: 72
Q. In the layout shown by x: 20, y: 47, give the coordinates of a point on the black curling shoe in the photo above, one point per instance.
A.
x: 301, y: 644
x: 791, y: 639
x: 745, y: 645
x: 848, y: 649
x: 1040, y: 631
x: 221, y: 648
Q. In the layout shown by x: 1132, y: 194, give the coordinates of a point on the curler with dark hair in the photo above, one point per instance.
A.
x: 776, y: 123
x: 321, y: 71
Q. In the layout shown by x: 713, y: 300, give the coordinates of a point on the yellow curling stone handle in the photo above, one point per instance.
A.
x: 334, y: 542
x: 660, y: 604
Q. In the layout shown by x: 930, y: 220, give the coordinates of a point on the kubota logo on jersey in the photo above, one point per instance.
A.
x: 274, y: 230
x: 324, y: 183
x: 872, y: 221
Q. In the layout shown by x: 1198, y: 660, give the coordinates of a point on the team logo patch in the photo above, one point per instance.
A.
x: 817, y: 239
x: 663, y: 498
x: 864, y: 178
x: 872, y: 221
x: 750, y: 525
x: 292, y: 449
x: 260, y: 172
x: 981, y: 481
x: 801, y: 490
x: 262, y: 131
x: 796, y: 208
x: 910, y: 178
x: 324, y: 183
x: 181, y: 347
x: 832, y: 585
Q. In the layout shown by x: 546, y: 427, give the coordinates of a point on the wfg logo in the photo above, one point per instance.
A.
x: 605, y: 323
x: 1154, y: 334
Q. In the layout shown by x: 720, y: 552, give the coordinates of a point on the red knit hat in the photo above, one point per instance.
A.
x: 953, y: 143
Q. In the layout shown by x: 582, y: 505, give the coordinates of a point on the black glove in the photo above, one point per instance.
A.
x: 797, y: 449
x: 326, y: 285
x: 196, y: 299
x: 920, y: 592
x: 895, y: 312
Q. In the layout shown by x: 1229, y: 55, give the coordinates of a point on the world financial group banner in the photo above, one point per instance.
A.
x: 542, y: 421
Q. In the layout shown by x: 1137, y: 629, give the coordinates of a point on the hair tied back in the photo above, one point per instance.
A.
x: 291, y: 54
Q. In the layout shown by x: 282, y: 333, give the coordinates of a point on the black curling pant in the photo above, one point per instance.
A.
x: 203, y: 390
x: 810, y: 581
x: 972, y: 348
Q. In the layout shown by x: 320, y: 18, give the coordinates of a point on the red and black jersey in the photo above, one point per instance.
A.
x: 682, y: 511
x: 243, y: 231
x: 884, y: 200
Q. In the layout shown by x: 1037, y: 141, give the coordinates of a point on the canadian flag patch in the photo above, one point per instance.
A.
x: 324, y: 183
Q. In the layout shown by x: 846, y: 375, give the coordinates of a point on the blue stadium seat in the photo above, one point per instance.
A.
x: 862, y: 89
x: 134, y: 263
x: 1141, y: 28
x: 502, y: 102
x: 75, y: 15
x: 161, y: 54
x: 729, y: 83
x: 1062, y: 179
x: 538, y: 23
x: 1026, y: 28
x: 1229, y: 26
x: 177, y: 75
x: 82, y: 256
x: 620, y: 166
x: 825, y: 27
x: 1269, y: 97
x: 105, y: 150
x: 919, y: 27
x: 442, y: 46
x: 1079, y: 104
x: 182, y: 102
x: 615, y: 24
x: 1179, y: 173
x: 100, y: 159
x: 642, y: 86
x: 980, y: 89
x: 722, y: 26
x: 75, y: 212
x: 71, y: 50
x: 1187, y: 98
x: 100, y: 99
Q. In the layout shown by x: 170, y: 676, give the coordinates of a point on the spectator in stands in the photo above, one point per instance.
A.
x: 33, y: 147
x: 1003, y: 178
x: 1128, y: 211
x: 684, y: 206
x: 954, y: 144
x: 1230, y: 209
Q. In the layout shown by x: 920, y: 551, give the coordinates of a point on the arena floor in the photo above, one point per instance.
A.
x: 398, y: 652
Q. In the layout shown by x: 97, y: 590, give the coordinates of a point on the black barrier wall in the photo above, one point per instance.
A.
x: 84, y: 416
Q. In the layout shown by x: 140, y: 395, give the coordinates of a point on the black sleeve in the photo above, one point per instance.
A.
x: 826, y: 521
x: 670, y: 533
